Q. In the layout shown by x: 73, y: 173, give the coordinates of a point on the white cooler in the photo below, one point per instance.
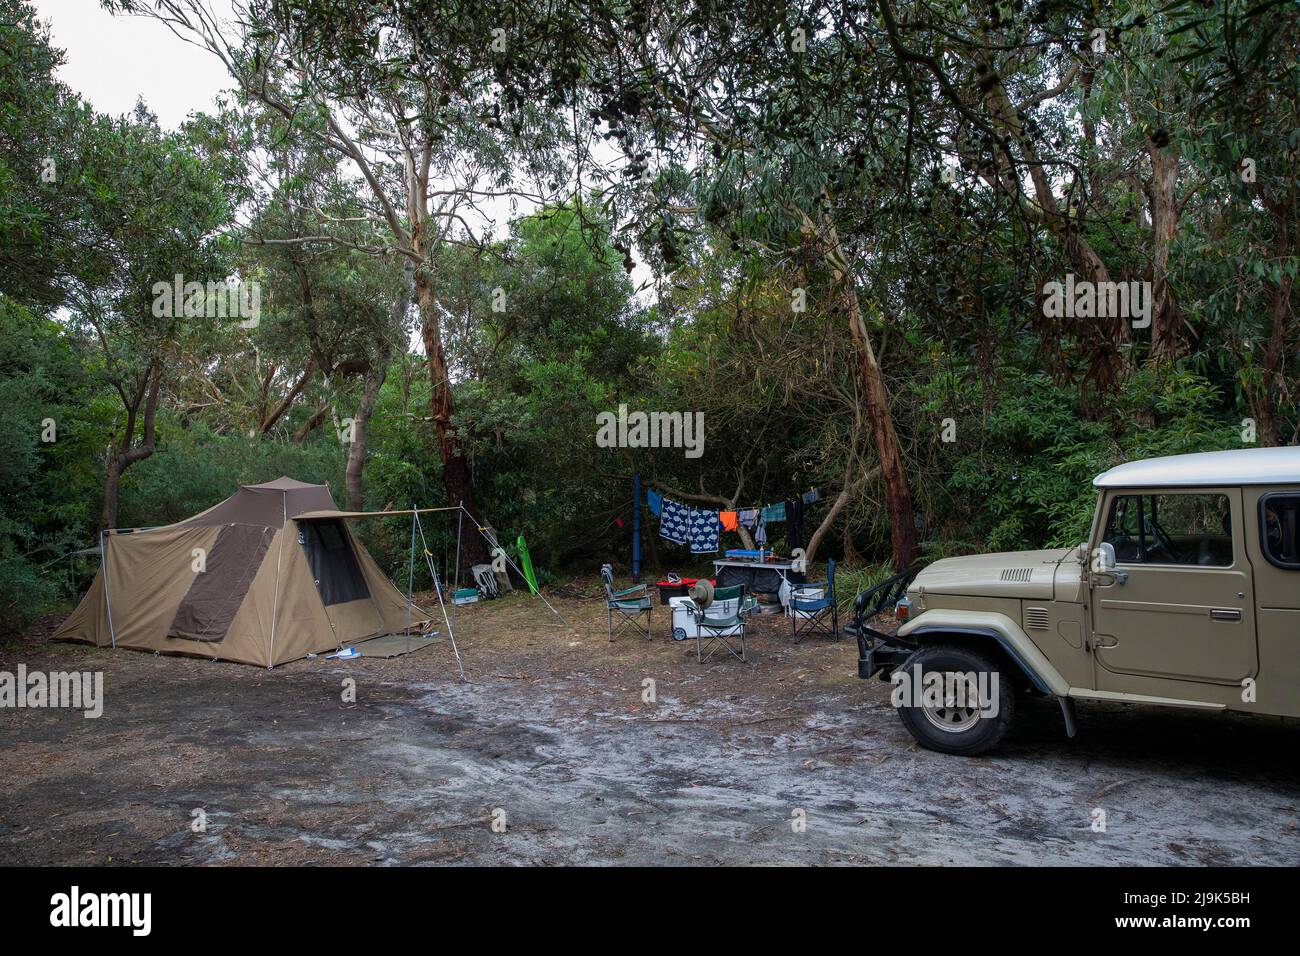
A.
x: 807, y: 594
x: 684, y: 628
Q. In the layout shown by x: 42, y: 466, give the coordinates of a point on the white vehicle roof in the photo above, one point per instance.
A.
x: 1246, y: 466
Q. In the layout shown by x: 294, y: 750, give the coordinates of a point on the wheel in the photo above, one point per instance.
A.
x: 963, y: 707
x: 679, y: 634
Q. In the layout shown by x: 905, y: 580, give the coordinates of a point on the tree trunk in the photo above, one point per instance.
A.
x: 455, y: 467
x: 1167, y: 340
x: 841, y: 502
x: 357, y: 450
x: 122, y: 457
x: 898, y: 495
x: 269, y: 420
x: 311, y: 424
x: 112, y: 474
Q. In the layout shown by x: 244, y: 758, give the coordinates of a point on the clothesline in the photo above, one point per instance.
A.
x: 701, y: 527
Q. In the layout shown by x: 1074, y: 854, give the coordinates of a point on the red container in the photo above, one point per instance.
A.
x: 667, y: 589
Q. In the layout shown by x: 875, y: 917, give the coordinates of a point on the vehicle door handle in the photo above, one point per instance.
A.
x: 1224, y: 614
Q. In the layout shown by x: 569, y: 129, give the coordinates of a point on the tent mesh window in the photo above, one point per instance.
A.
x: 333, y: 562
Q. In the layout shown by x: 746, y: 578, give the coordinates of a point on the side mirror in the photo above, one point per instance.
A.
x: 1103, y: 566
x: 1106, y: 556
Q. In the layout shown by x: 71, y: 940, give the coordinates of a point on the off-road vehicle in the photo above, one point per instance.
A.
x: 1186, y: 594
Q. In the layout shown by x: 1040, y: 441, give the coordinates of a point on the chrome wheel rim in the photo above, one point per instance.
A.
x: 948, y: 716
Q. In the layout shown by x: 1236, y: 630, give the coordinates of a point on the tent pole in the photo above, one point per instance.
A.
x: 636, y: 528
x: 433, y: 573
x: 108, y: 603
x: 275, y: 601
x: 460, y: 520
x: 410, y: 582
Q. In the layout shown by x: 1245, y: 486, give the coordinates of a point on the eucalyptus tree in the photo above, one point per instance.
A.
x: 748, y: 117
x: 337, y: 312
x: 409, y: 95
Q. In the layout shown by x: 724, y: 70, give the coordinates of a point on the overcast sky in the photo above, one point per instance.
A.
x: 114, y: 60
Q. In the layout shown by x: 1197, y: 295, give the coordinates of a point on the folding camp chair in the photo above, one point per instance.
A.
x: 721, y: 628
x: 629, y: 604
x: 813, y: 607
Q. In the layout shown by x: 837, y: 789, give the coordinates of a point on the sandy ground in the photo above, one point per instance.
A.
x: 552, y: 738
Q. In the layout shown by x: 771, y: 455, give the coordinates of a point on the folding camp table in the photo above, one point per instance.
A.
x: 761, y: 576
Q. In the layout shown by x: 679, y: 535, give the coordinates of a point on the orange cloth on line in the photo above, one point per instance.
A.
x: 730, y: 520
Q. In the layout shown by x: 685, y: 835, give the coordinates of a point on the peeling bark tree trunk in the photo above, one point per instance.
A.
x: 357, y: 449
x: 375, y: 377
x: 898, y: 494
x: 455, y: 467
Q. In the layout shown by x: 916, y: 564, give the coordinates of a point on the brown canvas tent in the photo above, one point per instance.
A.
x: 269, y: 575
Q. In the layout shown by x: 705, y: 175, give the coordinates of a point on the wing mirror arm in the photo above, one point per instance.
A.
x: 1103, y: 566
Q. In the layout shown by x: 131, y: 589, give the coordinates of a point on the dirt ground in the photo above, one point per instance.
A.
x: 787, y: 760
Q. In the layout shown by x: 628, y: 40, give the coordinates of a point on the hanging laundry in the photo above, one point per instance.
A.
x: 704, y: 531
x: 774, y: 512
x: 654, y: 501
x: 749, y: 518
x: 760, y: 536
x: 794, y: 523
x: 730, y: 520
x: 675, y: 524
x: 809, y: 497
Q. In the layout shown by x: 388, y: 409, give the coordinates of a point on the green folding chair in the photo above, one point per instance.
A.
x: 627, y: 605
x: 726, y: 628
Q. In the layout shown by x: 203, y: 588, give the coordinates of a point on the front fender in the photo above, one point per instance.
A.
x: 998, y: 627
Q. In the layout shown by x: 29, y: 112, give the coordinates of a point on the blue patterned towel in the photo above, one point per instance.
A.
x: 675, y: 522
x: 705, y: 527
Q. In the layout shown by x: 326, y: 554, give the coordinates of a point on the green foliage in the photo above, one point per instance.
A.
x: 729, y: 161
x: 198, y: 468
x: 48, y: 483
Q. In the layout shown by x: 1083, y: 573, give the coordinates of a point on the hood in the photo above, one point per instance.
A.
x: 1010, y: 574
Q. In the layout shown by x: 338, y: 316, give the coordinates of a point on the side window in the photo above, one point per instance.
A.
x: 1279, y: 516
x: 1190, y: 529
x: 1123, y: 528
x: 1171, y: 529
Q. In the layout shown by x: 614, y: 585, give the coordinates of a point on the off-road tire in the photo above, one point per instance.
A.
x: 986, y: 732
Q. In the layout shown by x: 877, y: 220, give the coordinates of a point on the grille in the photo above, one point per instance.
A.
x: 1036, y: 618
x: 1017, y: 574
